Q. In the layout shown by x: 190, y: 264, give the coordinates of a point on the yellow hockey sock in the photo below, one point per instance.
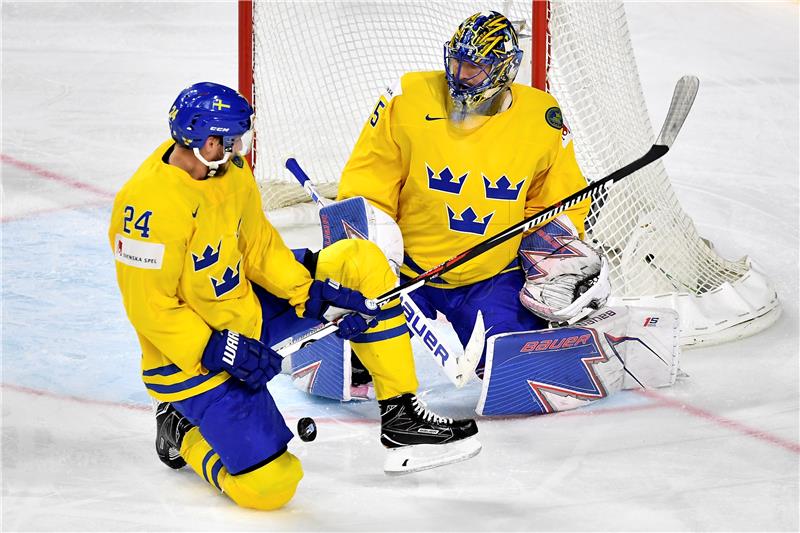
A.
x: 268, y: 487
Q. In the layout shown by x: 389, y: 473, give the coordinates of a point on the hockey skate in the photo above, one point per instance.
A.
x: 171, y: 426
x: 417, y: 439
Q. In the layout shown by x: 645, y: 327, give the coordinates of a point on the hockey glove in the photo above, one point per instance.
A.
x: 565, y: 277
x: 327, y: 300
x: 566, y: 284
x: 244, y: 358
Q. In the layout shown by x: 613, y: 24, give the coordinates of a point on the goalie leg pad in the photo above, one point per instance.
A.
x: 323, y: 368
x: 545, y: 371
x: 646, y: 340
x: 356, y: 218
x: 538, y: 372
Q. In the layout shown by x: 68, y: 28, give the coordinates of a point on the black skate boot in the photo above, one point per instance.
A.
x: 418, y: 439
x: 171, y: 426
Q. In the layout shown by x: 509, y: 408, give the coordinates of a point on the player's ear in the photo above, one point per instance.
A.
x: 211, y: 145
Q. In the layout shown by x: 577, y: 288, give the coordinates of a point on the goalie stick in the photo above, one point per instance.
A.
x: 458, y: 368
x: 681, y: 104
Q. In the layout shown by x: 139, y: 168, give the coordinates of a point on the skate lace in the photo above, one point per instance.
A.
x: 428, y: 416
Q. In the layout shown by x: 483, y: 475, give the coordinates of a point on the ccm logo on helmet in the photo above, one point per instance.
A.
x: 217, y: 128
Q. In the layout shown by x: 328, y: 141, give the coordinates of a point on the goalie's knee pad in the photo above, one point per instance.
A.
x: 544, y: 371
x: 324, y: 368
x: 565, y: 278
x: 356, y: 218
x: 268, y: 487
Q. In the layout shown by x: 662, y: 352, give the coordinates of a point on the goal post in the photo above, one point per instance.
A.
x: 314, y: 70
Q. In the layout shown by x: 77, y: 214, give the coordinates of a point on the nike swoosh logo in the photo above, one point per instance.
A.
x: 194, y: 213
x: 428, y: 117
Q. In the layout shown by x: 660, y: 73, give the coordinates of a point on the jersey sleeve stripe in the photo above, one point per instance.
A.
x: 181, y: 386
x: 167, y: 370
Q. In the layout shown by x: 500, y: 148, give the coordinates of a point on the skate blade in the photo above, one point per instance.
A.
x: 410, y: 459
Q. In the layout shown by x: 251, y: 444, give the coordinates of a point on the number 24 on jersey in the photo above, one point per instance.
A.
x: 142, y: 223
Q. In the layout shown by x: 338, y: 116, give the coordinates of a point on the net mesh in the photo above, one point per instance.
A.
x: 320, y: 66
x: 652, y: 245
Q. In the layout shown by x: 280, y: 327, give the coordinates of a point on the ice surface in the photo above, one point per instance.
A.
x: 86, y: 88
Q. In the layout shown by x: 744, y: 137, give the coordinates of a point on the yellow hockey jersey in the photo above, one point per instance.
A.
x: 450, y: 187
x: 186, y: 252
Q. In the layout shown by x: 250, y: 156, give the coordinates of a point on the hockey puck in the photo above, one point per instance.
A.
x: 306, y: 429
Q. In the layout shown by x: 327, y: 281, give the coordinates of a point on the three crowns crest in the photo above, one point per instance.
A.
x: 502, y: 189
x: 445, y: 181
x: 467, y: 221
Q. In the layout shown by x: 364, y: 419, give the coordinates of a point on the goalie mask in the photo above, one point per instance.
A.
x: 480, y: 60
x: 565, y: 278
x: 209, y: 109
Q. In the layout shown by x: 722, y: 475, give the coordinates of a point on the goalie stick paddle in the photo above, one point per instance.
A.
x: 682, y: 100
x: 458, y: 368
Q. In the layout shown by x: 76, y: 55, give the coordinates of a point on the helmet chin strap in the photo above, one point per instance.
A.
x: 213, y: 166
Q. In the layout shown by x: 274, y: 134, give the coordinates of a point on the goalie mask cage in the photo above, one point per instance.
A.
x: 314, y: 71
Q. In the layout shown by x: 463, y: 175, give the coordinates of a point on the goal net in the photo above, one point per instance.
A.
x: 314, y: 71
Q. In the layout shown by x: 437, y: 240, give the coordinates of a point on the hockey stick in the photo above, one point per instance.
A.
x: 458, y: 368
x: 682, y: 100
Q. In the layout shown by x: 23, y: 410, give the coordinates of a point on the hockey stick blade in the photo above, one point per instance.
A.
x: 468, y: 361
x: 682, y: 100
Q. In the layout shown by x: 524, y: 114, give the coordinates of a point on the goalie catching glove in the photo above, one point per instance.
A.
x: 565, y: 278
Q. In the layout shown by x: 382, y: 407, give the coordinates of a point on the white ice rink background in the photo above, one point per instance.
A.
x: 85, y: 92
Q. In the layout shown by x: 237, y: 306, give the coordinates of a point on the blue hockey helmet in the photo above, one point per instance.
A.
x: 480, y: 59
x: 209, y: 109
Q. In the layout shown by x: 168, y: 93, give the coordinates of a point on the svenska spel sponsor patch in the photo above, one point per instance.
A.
x: 139, y: 254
